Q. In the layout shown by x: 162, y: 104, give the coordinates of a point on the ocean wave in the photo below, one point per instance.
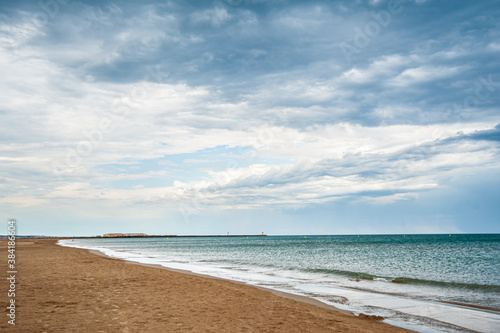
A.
x: 407, y: 280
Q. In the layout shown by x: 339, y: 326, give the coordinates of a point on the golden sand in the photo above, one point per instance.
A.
x: 61, y: 289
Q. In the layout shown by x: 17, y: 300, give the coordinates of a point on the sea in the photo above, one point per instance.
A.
x: 427, y: 283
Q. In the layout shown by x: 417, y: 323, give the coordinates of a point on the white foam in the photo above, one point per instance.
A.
x: 306, y: 284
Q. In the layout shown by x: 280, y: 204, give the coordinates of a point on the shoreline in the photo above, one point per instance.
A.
x: 303, y: 298
x: 71, y: 289
x: 308, y: 299
x: 300, y: 298
x: 438, y: 319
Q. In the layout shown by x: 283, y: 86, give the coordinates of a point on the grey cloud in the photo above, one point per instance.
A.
x: 487, y: 135
x: 253, y: 63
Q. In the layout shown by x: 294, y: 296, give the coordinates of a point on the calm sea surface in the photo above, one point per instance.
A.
x: 425, y: 282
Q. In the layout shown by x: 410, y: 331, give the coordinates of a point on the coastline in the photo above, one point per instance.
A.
x: 62, y: 288
x: 374, y: 295
x: 299, y: 298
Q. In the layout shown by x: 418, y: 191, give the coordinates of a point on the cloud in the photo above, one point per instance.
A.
x: 488, y: 135
x: 215, y: 16
x: 251, y: 106
x: 422, y: 75
x: 383, y: 170
x: 385, y: 67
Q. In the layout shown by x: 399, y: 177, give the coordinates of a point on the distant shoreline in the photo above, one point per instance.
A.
x: 257, y: 235
x: 148, y: 236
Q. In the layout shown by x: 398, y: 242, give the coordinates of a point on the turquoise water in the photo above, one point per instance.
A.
x: 418, y: 270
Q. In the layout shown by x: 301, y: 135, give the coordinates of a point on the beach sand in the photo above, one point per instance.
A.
x: 60, y: 289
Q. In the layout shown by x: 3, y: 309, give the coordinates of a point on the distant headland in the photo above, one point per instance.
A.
x: 131, y: 235
x: 142, y: 235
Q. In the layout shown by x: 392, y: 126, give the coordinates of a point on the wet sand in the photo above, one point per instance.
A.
x: 60, y: 289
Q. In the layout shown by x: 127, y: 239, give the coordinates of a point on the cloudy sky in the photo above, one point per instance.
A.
x: 244, y: 116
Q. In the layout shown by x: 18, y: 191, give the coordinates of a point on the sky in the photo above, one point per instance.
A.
x: 246, y: 116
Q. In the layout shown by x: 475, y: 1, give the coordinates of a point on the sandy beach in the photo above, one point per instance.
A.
x: 62, y: 289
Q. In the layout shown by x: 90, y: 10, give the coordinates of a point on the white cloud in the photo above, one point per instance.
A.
x: 378, y: 69
x: 293, y: 124
x: 216, y: 16
x: 423, y: 74
x: 494, y: 46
